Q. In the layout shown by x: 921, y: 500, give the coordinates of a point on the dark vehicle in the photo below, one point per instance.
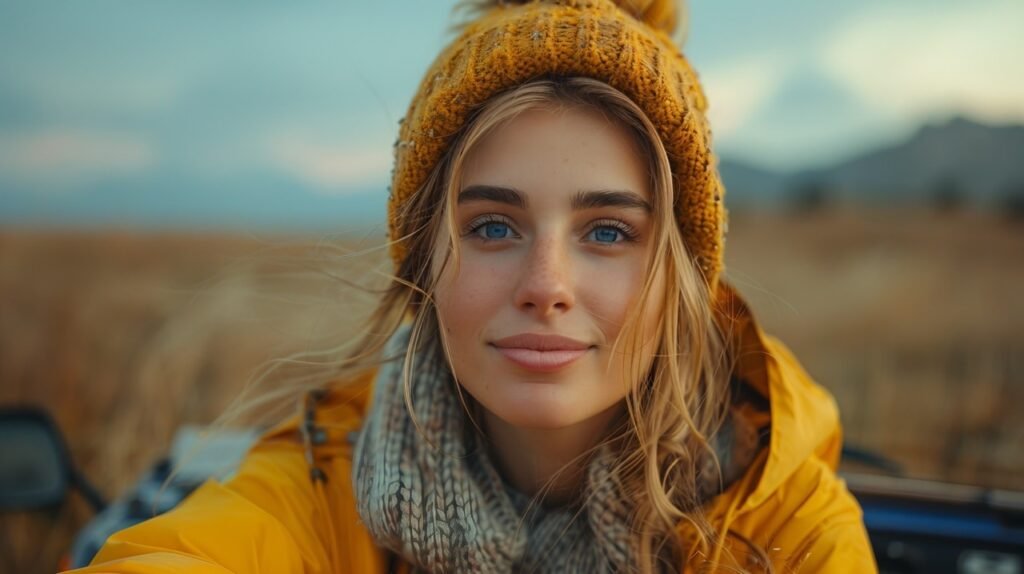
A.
x: 915, y: 526
x: 38, y: 474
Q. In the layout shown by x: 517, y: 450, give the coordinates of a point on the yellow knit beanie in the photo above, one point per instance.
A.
x: 624, y: 43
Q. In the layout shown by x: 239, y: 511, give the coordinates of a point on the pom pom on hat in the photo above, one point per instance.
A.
x: 658, y: 14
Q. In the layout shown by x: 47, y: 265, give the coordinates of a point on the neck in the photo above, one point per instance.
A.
x: 554, y: 461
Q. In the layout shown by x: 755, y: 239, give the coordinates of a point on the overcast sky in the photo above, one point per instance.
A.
x: 309, y: 93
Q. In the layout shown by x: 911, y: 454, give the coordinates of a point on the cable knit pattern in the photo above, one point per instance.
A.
x: 437, y: 499
x: 445, y: 508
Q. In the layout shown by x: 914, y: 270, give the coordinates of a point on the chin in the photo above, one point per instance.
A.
x: 536, y: 419
x: 537, y: 406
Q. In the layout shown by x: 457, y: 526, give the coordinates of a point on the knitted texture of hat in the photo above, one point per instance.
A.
x: 624, y: 43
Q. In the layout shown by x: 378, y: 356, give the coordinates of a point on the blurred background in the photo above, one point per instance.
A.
x: 181, y: 185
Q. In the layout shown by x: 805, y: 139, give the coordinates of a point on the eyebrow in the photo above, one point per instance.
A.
x: 587, y: 199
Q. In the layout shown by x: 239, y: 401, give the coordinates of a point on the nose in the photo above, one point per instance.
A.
x: 546, y: 286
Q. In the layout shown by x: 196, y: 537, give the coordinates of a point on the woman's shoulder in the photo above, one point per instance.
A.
x: 271, y: 516
x: 275, y: 514
x: 809, y: 523
x: 788, y: 505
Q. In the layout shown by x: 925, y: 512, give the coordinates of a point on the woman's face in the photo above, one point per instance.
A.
x: 555, y: 220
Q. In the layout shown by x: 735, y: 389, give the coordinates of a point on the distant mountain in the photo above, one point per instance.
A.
x: 169, y: 200
x: 747, y: 184
x: 977, y: 161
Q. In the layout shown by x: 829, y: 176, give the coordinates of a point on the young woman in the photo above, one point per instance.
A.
x: 557, y: 380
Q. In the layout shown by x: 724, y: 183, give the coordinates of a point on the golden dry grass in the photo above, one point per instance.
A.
x: 912, y: 320
x: 124, y: 337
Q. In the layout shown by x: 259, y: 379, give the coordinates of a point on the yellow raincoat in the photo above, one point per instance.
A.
x: 271, y: 517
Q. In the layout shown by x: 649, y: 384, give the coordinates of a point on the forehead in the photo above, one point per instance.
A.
x: 553, y: 153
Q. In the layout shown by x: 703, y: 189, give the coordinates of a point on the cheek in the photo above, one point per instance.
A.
x: 466, y: 301
x: 614, y: 303
x: 610, y: 298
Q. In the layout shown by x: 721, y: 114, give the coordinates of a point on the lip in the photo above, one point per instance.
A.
x: 542, y: 353
x: 538, y: 342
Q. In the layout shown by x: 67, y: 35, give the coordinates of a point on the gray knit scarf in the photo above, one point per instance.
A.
x: 436, y: 499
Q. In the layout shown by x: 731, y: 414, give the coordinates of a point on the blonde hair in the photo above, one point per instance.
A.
x: 679, y: 403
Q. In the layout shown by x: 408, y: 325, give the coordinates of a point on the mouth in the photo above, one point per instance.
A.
x: 541, y: 353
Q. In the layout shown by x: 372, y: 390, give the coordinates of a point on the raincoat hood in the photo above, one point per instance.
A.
x: 804, y: 418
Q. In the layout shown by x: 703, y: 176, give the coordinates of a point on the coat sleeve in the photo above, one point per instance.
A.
x: 269, y: 518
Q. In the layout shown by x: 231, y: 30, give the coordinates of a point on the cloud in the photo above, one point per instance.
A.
x: 964, y: 58
x: 808, y: 120
x: 63, y: 157
x: 739, y: 88
x: 330, y: 167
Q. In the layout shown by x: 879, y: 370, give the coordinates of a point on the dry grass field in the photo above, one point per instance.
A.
x: 914, y: 321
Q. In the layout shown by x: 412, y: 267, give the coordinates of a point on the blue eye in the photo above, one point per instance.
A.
x: 495, y: 230
x: 490, y: 228
x: 612, y: 232
x: 605, y: 234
